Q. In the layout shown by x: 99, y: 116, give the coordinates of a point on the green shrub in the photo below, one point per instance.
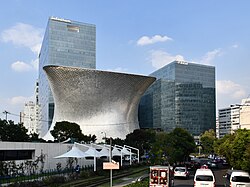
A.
x: 54, y: 180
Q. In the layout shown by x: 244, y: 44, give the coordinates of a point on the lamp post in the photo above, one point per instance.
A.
x: 110, y: 160
x: 104, y: 136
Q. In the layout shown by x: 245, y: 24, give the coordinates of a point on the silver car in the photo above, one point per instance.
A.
x: 181, y: 172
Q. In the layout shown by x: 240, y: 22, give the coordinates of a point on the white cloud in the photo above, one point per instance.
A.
x: 210, y: 56
x: 21, y: 66
x: 235, y: 46
x: 227, y: 88
x: 20, y: 100
x: 145, y: 40
x: 24, y: 35
x: 159, y: 58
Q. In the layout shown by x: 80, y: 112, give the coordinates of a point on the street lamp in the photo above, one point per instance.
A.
x: 104, y: 136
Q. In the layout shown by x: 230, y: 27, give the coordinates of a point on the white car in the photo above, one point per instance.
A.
x: 181, y: 172
x: 204, y: 177
x: 236, y: 178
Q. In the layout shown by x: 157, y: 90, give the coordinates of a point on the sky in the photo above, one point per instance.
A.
x: 132, y: 36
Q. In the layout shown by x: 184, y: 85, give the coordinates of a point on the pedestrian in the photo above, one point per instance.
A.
x: 77, y: 169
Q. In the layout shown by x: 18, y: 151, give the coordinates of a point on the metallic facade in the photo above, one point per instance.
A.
x: 67, y: 43
x: 182, y: 96
x: 98, y: 101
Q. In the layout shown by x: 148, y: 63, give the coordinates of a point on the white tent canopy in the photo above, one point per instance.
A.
x: 126, y: 151
x: 104, y: 152
x: 116, y: 152
x: 92, y: 152
x: 74, y: 153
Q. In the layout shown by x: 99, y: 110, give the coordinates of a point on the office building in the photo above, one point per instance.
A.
x: 234, y: 117
x: 182, y: 96
x: 98, y: 101
x: 67, y: 43
x: 228, y: 119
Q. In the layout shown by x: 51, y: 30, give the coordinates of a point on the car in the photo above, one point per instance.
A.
x: 204, y: 177
x: 213, y: 164
x: 236, y: 178
x: 181, y: 172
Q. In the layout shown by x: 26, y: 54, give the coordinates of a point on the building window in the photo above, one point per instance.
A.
x: 6, y: 155
x: 73, y: 28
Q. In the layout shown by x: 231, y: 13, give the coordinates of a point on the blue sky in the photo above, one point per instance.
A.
x: 134, y: 36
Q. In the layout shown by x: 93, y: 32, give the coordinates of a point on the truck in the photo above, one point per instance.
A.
x: 161, y: 176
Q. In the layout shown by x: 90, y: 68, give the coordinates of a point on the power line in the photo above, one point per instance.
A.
x: 18, y: 115
x: 87, y: 124
x: 6, y: 114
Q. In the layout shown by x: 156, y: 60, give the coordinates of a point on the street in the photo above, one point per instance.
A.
x: 219, y: 180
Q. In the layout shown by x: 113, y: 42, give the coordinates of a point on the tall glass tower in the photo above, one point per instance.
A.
x: 182, y: 96
x: 67, y: 43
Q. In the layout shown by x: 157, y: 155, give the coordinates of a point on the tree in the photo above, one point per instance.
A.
x: 64, y: 130
x: 161, y: 148
x: 34, y: 137
x: 207, y: 141
x: 13, y: 132
x: 115, y: 141
x: 183, y: 144
x: 222, y: 146
x: 172, y: 147
x: 236, y: 149
x: 89, y: 138
x: 141, y: 139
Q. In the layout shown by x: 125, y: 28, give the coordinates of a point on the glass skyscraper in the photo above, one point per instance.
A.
x: 67, y: 43
x: 182, y: 96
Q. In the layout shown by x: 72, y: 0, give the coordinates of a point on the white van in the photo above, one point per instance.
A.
x: 236, y: 178
x: 204, y: 177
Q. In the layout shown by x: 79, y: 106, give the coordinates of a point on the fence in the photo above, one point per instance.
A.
x: 8, y: 179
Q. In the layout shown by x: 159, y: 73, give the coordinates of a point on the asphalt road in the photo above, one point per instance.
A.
x: 219, y: 180
x: 179, y: 182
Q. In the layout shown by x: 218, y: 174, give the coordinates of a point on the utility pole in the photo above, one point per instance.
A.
x: 110, y: 160
x: 6, y: 114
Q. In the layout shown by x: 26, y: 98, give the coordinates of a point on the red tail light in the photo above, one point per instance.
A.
x: 194, y: 183
x: 231, y: 184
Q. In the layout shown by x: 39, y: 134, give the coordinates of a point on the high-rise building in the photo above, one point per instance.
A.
x: 67, y: 43
x: 182, y: 96
x: 31, y: 114
x: 28, y: 117
x: 234, y: 117
x: 228, y: 119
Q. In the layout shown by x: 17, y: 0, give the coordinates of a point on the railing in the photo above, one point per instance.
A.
x: 8, y: 179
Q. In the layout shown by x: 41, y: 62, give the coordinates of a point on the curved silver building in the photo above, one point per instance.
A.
x: 99, y: 101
